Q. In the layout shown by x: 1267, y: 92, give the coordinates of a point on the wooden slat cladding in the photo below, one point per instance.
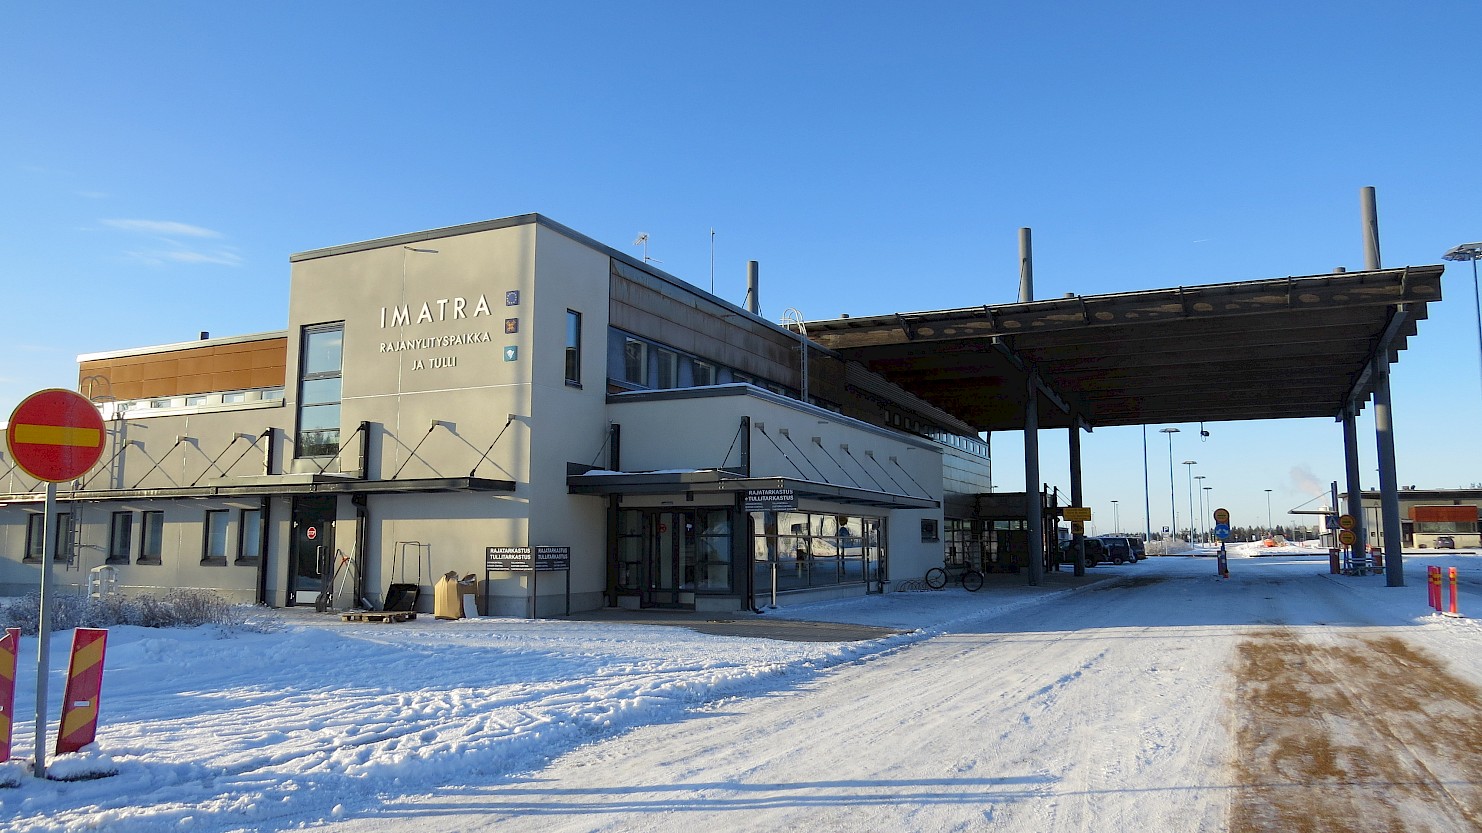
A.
x: 1458, y: 514
x: 204, y: 369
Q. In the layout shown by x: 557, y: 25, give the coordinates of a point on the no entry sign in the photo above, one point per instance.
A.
x: 55, y: 435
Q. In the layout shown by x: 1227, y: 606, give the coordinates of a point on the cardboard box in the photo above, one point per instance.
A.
x: 447, y: 602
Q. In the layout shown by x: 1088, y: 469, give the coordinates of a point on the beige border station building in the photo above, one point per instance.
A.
x: 441, y: 400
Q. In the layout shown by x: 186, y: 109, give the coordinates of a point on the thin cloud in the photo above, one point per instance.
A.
x: 173, y: 242
x: 220, y: 257
x: 162, y: 228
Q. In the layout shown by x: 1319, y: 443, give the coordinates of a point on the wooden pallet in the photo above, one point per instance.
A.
x: 382, y: 616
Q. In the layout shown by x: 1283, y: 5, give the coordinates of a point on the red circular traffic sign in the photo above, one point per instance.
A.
x: 55, y: 435
x: 312, y: 533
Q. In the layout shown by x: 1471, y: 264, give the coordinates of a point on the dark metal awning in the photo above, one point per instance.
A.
x: 1268, y: 349
x: 720, y: 481
x: 317, y: 485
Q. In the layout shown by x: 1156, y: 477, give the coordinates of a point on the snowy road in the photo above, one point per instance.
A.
x: 1165, y: 700
x: 1110, y: 709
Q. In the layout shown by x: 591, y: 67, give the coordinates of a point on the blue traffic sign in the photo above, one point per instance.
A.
x: 1222, y: 531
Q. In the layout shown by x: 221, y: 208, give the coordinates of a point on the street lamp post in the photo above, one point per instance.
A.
x: 1147, y: 502
x: 1209, y: 501
x: 1189, y: 476
x: 1172, y: 501
x: 1472, y: 252
x: 1268, y: 511
x: 1203, y: 513
x: 1116, y: 518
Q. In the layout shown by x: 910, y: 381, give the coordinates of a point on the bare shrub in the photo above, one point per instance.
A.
x: 178, y: 609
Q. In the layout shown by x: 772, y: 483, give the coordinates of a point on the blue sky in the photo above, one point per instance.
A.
x: 160, y: 161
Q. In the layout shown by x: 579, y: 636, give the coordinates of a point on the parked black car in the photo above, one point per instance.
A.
x: 1095, y: 552
x: 1118, y: 549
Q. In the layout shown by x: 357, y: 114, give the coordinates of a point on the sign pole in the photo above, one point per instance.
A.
x: 43, y: 624
x: 54, y: 435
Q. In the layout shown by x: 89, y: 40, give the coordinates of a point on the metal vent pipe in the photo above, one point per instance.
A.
x: 1026, y: 267
x: 753, y: 288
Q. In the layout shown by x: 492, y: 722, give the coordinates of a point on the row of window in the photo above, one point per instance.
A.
x: 799, y: 550
x: 634, y: 362
x: 201, y: 400
x: 216, y: 539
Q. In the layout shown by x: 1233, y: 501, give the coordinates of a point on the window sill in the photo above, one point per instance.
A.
x: 155, y: 562
x: 248, y: 561
x: 571, y: 384
x: 214, y: 562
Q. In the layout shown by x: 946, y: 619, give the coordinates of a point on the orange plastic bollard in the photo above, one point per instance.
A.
x: 1453, y: 592
x: 1433, y: 587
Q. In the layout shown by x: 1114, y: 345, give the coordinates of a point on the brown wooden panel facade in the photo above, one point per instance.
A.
x: 209, y: 368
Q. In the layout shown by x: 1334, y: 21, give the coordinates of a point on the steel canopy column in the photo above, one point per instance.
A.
x: 1351, y: 470
x: 1078, y: 541
x: 1033, y: 520
x: 1389, y: 492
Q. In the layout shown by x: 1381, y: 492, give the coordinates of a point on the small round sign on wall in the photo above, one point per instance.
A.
x: 312, y: 533
x: 55, y: 435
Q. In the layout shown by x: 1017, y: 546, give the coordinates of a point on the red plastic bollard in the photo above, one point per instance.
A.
x: 9, y: 646
x: 1433, y: 587
x: 84, y: 690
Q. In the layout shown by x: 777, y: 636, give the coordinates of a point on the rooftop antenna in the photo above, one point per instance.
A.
x: 643, y: 241
x: 793, y: 320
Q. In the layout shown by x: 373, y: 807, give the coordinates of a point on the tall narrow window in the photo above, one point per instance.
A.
x: 152, y: 538
x: 213, y: 547
x: 319, y: 391
x: 703, y: 373
x: 573, y: 348
x: 65, y: 537
x: 635, y: 362
x: 249, y: 534
x: 120, y: 537
x: 668, y: 369
x: 35, y: 536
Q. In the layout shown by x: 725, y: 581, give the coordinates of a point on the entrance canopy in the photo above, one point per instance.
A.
x: 1270, y: 349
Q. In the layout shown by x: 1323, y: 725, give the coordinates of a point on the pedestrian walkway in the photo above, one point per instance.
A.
x: 811, y: 622
x: 741, y: 623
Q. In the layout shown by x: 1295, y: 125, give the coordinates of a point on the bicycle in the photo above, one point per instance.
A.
x: 970, y: 579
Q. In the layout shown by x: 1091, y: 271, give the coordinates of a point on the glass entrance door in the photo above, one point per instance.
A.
x: 669, y: 579
x: 312, y: 551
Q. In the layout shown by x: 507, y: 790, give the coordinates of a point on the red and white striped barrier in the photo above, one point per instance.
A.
x: 84, y: 690
x: 9, y: 648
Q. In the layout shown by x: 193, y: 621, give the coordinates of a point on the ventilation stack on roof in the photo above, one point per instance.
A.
x: 753, y: 302
x: 1026, y: 268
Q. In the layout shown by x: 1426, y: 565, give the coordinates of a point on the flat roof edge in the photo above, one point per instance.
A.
x: 182, y: 345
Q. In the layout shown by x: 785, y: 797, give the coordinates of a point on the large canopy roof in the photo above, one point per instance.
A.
x: 1268, y: 349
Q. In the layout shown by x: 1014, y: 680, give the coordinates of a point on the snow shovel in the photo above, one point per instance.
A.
x: 402, y: 596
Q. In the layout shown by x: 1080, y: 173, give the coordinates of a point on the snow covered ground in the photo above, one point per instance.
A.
x: 1119, y: 705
